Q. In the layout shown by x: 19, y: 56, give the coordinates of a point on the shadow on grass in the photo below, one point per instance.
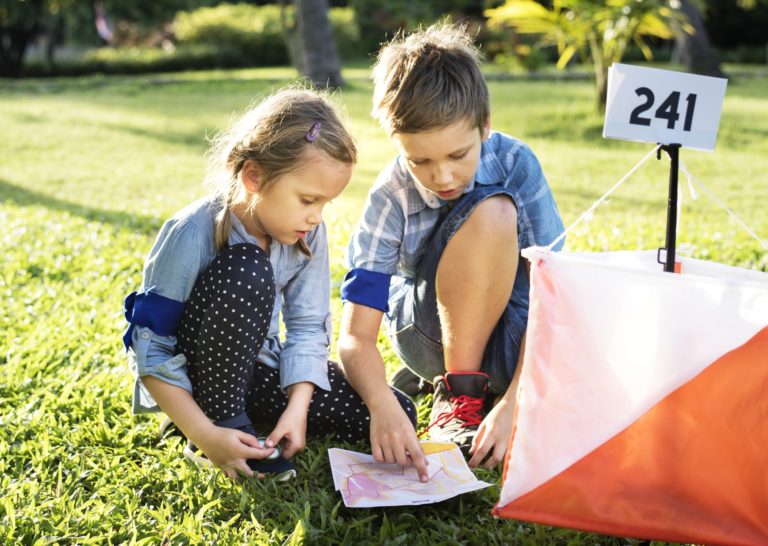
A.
x: 139, y: 223
x: 137, y: 83
x: 165, y: 135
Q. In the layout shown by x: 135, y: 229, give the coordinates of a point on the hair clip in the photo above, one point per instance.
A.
x: 314, y: 131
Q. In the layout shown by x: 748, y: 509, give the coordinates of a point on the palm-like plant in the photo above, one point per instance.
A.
x: 597, y: 30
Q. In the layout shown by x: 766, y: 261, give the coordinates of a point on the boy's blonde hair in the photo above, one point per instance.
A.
x: 428, y: 80
x: 275, y: 134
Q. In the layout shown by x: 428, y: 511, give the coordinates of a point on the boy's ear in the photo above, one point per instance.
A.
x: 486, y: 129
x: 252, y: 176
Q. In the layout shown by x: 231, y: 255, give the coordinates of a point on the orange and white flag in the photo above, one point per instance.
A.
x: 642, y: 409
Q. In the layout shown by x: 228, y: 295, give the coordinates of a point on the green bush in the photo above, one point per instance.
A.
x: 523, y: 58
x: 139, y: 60
x: 225, y: 36
x: 237, y: 29
x: 744, y: 54
x: 347, y: 33
x: 256, y: 32
x: 379, y: 20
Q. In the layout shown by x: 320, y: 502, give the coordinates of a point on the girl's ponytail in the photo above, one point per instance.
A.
x: 223, y: 223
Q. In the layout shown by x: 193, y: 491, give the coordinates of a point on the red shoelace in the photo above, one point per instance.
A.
x: 465, y: 408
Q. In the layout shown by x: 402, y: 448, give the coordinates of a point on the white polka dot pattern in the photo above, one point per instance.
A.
x: 224, y: 325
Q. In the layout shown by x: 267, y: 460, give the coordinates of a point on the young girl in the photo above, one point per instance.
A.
x: 204, y: 340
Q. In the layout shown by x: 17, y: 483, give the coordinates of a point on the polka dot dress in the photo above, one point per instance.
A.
x: 340, y: 412
x: 225, y: 324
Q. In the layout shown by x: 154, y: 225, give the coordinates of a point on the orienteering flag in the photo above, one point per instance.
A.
x: 642, y: 409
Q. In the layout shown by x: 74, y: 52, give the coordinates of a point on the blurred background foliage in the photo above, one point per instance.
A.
x: 75, y: 37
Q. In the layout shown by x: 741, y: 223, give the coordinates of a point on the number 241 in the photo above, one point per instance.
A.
x: 666, y: 110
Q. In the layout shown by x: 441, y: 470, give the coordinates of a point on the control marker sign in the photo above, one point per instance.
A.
x: 663, y: 107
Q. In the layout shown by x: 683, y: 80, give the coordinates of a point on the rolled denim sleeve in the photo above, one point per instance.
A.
x: 307, y: 319
x: 170, y: 272
x: 150, y: 354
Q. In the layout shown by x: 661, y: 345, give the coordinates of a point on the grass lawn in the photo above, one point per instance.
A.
x: 90, y: 168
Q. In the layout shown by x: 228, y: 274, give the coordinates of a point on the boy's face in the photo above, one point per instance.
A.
x: 443, y: 161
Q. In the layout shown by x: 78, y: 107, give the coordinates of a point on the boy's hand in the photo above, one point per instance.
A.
x: 394, y: 441
x: 228, y: 449
x: 493, y: 436
x: 291, y: 430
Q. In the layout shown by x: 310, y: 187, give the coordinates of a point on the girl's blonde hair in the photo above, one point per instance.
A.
x: 276, y: 135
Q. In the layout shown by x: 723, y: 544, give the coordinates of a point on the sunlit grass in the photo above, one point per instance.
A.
x: 90, y: 168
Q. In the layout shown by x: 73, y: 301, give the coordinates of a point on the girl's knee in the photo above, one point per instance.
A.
x: 244, y: 257
x: 243, y: 271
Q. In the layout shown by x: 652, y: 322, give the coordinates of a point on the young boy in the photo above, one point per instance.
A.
x: 437, y: 252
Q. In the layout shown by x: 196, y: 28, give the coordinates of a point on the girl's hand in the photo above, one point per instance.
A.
x: 228, y: 449
x: 225, y: 448
x: 291, y: 430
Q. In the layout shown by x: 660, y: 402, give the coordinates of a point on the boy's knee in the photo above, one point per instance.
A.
x: 496, y: 215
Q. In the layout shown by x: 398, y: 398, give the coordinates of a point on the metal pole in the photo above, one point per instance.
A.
x: 673, y: 150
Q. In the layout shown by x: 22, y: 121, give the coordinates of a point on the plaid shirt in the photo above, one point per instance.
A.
x: 399, y: 217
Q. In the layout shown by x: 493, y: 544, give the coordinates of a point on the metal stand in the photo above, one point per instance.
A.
x: 669, y: 262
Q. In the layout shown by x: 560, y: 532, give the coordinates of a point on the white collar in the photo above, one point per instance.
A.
x: 432, y: 200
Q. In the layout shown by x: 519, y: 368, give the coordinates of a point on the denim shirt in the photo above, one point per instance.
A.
x: 400, y: 216
x: 183, y: 250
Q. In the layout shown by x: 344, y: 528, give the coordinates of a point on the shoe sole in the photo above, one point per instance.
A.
x: 204, y: 462
x: 409, y: 383
x: 168, y: 428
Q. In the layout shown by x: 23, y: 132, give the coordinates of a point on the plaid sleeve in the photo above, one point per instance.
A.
x: 539, y: 221
x: 374, y: 249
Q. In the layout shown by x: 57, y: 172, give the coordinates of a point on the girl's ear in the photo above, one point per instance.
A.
x: 252, y: 176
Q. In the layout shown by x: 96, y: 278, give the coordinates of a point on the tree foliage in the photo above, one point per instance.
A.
x: 380, y: 20
x: 598, y: 31
x: 22, y: 20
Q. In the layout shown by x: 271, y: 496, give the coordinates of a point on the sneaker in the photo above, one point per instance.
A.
x: 168, y: 428
x: 279, y: 467
x: 409, y: 383
x: 458, y: 408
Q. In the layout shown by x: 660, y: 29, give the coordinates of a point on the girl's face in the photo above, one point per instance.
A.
x: 289, y: 206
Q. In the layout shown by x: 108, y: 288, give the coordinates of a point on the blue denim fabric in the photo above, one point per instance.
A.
x: 413, y: 322
x: 399, y: 216
x: 184, y: 248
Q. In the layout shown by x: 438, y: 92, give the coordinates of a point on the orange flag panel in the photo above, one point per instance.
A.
x: 694, y: 468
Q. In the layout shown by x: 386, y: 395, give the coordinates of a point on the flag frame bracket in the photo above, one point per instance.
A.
x: 670, y: 241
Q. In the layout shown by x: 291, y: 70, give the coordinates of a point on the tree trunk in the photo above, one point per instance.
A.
x: 312, y: 47
x: 600, y: 67
x: 696, y: 52
x: 53, y: 32
x: 601, y: 87
x: 13, y: 46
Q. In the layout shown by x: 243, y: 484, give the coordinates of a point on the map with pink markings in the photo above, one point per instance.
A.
x: 364, y: 483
